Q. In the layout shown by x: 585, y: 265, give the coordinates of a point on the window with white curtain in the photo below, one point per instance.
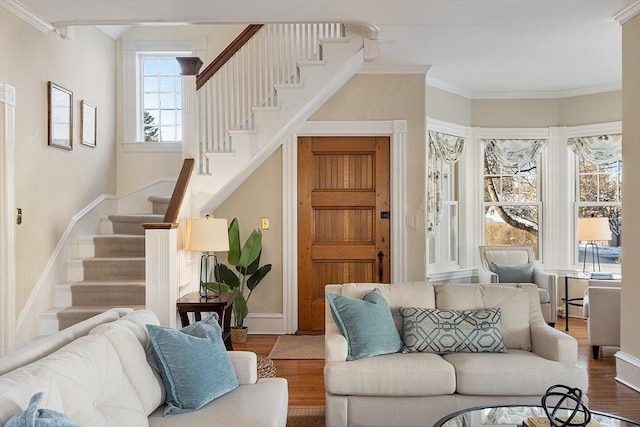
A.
x: 512, y: 202
x: 598, y: 191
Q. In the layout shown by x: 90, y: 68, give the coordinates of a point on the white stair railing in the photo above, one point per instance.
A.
x: 248, y: 80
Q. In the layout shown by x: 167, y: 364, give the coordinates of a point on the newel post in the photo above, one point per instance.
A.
x: 189, y: 68
x: 161, y: 271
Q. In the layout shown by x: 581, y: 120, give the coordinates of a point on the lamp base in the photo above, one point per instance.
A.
x: 207, y: 293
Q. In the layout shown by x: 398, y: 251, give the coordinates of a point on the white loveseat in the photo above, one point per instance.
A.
x: 100, y: 373
x: 417, y: 389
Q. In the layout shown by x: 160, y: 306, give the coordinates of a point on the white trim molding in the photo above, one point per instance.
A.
x: 628, y: 13
x: 397, y: 130
x: 27, y: 15
x: 7, y: 212
x: 628, y: 370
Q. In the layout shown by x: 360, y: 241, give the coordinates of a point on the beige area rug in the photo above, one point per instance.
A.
x: 298, y: 347
x: 305, y: 416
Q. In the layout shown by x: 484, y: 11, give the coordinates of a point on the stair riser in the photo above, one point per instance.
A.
x: 117, y: 247
x: 128, y: 228
x: 64, y: 320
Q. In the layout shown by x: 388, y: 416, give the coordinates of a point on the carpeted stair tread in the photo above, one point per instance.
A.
x: 119, y: 245
x: 112, y: 268
x: 71, y: 315
x: 116, y: 293
x: 132, y: 223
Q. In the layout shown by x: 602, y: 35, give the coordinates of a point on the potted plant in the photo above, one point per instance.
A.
x: 248, y: 274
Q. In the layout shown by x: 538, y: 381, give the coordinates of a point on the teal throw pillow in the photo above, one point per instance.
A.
x: 513, y: 273
x: 34, y: 417
x: 452, y: 331
x: 366, y: 323
x: 193, y: 363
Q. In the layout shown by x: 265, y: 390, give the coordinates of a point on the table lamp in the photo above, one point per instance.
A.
x: 592, y: 230
x: 207, y: 235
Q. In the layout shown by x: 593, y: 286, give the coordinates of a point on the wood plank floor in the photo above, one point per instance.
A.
x: 306, y: 386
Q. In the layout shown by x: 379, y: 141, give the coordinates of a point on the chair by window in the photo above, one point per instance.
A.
x: 513, y: 263
x: 602, y: 306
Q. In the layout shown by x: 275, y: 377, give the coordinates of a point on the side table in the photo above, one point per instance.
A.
x: 576, y: 302
x: 223, y: 305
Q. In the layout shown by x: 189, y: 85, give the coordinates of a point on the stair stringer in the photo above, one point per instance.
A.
x: 273, y: 126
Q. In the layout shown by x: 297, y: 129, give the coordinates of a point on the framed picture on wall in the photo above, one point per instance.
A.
x: 60, y: 116
x: 88, y: 121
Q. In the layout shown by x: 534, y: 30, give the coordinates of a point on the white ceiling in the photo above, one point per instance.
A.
x: 478, y: 48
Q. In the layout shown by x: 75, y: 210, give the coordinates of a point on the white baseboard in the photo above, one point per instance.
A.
x: 265, y: 323
x: 628, y: 370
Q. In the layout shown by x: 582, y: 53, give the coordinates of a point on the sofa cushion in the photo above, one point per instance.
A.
x: 366, y: 324
x: 512, y: 301
x: 39, y: 417
x: 410, y: 294
x: 518, y: 373
x: 443, y: 331
x: 397, y: 374
x: 193, y: 363
x: 263, y: 404
x: 513, y: 273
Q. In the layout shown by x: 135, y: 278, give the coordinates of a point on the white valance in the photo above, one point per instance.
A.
x: 443, y: 149
x: 514, y: 153
x: 598, y: 149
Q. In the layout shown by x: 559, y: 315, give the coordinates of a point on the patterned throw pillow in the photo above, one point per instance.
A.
x: 452, y: 331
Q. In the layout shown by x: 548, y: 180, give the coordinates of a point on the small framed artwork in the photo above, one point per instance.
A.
x: 60, y: 115
x: 88, y: 119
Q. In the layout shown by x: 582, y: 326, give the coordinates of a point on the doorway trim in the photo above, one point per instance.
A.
x: 397, y: 131
x: 7, y: 227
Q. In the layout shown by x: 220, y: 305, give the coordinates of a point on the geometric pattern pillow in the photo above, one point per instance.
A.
x: 444, y: 331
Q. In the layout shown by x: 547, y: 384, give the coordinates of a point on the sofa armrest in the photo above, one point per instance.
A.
x: 245, y: 363
x: 486, y: 276
x: 553, y: 344
x: 335, y: 348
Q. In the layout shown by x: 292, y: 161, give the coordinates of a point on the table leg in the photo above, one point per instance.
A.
x: 566, y: 304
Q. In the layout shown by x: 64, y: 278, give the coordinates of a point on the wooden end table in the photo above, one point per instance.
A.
x: 223, y: 305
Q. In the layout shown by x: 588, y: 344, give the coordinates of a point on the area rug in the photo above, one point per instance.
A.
x: 305, y: 416
x: 298, y: 347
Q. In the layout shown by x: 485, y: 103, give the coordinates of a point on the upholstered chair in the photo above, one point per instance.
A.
x: 602, y: 304
x: 517, y: 264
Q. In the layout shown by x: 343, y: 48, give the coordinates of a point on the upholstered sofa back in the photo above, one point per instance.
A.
x: 519, y: 303
x: 100, y: 379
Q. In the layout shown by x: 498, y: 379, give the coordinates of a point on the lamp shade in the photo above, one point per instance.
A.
x: 593, y: 229
x: 207, y: 235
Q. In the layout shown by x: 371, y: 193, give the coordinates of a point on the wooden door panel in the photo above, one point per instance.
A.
x: 343, y: 189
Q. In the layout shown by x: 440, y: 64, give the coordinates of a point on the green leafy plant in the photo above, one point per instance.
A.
x: 246, y: 260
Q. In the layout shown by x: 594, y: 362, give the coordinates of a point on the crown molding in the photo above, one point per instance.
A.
x: 626, y: 14
x: 448, y: 87
x: 27, y: 15
x: 374, y: 68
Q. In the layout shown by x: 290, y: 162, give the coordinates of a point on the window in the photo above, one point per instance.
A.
x: 443, y: 241
x: 598, y: 192
x: 512, y: 202
x: 152, y: 93
x: 161, y: 91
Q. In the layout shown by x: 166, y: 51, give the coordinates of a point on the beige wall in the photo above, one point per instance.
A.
x: 588, y: 109
x: 138, y: 169
x: 630, y: 331
x: 393, y: 97
x: 53, y: 184
x: 261, y: 196
x: 449, y: 107
x: 515, y: 112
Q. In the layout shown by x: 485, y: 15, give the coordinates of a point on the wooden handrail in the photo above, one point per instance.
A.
x: 179, y: 191
x: 226, y: 54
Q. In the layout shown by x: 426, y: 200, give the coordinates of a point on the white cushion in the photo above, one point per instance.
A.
x: 414, y: 374
x: 517, y: 373
x: 513, y: 303
x: 412, y: 294
x: 507, y: 257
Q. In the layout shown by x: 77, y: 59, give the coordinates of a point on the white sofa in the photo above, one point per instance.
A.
x: 102, y: 373
x: 417, y: 389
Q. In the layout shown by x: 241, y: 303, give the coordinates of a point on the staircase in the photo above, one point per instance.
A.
x: 109, y: 270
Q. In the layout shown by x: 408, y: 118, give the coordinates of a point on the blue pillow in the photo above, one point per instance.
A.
x: 513, y: 273
x: 34, y: 417
x: 366, y: 323
x: 193, y: 363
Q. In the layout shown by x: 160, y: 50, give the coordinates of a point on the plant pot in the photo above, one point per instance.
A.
x: 239, y: 335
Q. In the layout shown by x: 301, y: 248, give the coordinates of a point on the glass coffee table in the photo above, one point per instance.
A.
x: 514, y: 415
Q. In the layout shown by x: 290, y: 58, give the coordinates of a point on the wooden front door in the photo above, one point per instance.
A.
x: 343, y: 218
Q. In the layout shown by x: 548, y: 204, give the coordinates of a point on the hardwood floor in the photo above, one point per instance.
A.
x: 306, y: 386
